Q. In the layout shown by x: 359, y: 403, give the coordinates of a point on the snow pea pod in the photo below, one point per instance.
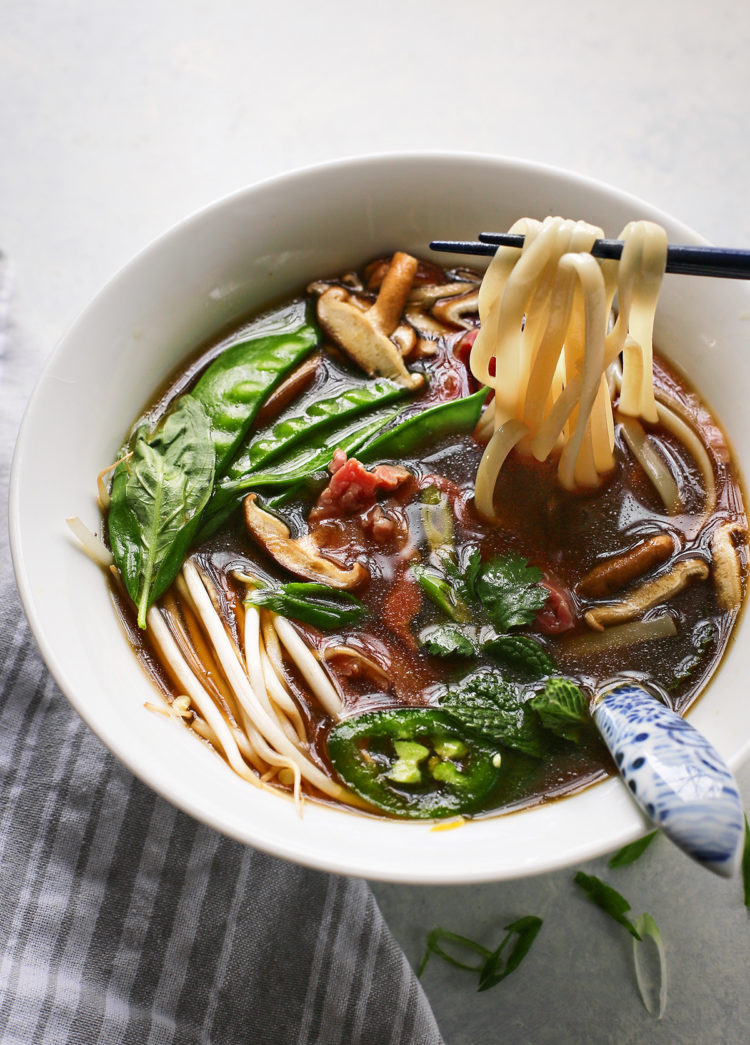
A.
x: 452, y: 418
x: 302, y: 462
x: 233, y: 388
x: 318, y: 416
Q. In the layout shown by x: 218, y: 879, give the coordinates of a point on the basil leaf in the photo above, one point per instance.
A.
x: 610, y: 901
x: 562, y: 707
x: 521, y: 653
x: 158, y: 494
x: 447, y: 640
x: 494, y: 970
x: 312, y: 603
x: 630, y: 853
x: 509, y: 591
x: 496, y: 711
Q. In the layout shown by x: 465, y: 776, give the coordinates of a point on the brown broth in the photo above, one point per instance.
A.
x: 562, y: 533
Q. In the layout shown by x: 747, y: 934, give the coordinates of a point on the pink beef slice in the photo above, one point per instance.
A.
x: 353, y: 488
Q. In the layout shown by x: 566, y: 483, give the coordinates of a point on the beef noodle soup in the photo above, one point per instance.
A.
x: 320, y: 592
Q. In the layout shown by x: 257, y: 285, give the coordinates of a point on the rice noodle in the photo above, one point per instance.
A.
x: 189, y: 683
x: 544, y: 319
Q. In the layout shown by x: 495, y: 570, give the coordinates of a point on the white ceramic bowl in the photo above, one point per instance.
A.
x: 240, y: 254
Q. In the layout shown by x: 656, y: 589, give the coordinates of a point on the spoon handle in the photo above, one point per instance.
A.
x: 675, y: 774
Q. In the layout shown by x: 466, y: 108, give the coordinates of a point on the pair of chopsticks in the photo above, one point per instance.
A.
x: 689, y: 261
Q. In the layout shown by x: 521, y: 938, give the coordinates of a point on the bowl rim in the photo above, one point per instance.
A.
x: 282, y: 847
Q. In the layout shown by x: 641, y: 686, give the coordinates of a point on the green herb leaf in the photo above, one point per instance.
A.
x: 521, y: 653
x: 509, y: 591
x: 447, y: 640
x: 495, y: 710
x: 157, y: 497
x: 312, y: 603
x: 494, y: 969
x: 630, y: 853
x: 610, y: 901
x: 746, y: 864
x: 562, y: 707
x: 438, y: 589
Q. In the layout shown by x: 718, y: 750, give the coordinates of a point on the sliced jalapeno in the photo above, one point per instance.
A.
x: 413, y: 762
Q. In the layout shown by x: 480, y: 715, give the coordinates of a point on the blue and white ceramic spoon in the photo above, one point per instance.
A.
x: 674, y: 773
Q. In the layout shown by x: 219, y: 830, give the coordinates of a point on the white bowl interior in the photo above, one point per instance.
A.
x: 241, y: 254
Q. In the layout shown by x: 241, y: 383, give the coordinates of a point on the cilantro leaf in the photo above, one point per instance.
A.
x: 447, y: 640
x: 630, y: 853
x: 521, y: 653
x: 510, y: 592
x: 562, y: 707
x: 610, y: 901
x: 494, y: 970
x: 495, y: 710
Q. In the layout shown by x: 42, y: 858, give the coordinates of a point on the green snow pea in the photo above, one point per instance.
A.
x: 452, y: 418
x: 233, y: 388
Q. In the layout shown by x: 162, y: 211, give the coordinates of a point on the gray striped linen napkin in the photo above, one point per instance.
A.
x: 123, y: 920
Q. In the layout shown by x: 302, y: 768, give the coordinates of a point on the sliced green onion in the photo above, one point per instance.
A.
x: 652, y: 983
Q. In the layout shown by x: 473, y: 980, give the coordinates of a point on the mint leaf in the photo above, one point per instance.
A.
x: 510, y: 592
x: 447, y: 640
x: 630, y: 853
x: 562, y: 707
x: 494, y: 969
x: 495, y: 710
x: 610, y: 901
x: 522, y: 653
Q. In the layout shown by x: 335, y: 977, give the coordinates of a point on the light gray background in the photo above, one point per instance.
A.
x: 117, y: 119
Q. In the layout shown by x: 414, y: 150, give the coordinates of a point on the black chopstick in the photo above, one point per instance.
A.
x: 689, y: 261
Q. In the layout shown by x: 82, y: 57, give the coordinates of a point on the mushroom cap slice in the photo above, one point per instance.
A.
x: 353, y: 331
x: 298, y: 555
